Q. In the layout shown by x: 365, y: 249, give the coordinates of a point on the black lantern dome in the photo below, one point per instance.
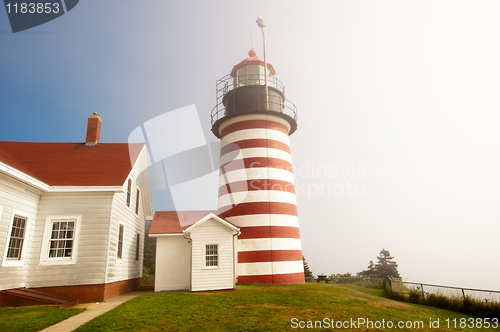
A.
x: 244, y: 91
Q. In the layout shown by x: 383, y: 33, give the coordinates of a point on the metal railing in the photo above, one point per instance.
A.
x: 252, y: 79
x: 423, y: 290
x: 228, y: 83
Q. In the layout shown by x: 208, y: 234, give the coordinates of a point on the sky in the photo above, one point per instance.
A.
x: 397, y: 144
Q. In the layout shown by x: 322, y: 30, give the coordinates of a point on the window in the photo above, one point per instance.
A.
x: 129, y: 191
x: 60, y: 240
x: 137, y: 201
x: 211, y: 255
x: 137, y: 247
x: 17, y: 234
x: 18, y: 230
x: 120, y: 242
x: 251, y: 75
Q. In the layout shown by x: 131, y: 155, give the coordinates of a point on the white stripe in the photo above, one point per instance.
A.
x: 263, y: 268
x: 257, y: 196
x: 256, y: 133
x: 255, y: 174
x: 288, y: 267
x: 246, y: 117
x: 233, y: 158
x: 269, y: 244
x: 256, y: 152
x: 264, y: 220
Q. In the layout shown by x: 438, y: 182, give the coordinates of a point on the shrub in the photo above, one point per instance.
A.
x: 467, y: 305
x: 415, y: 296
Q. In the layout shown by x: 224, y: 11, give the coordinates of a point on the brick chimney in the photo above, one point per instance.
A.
x: 93, y: 130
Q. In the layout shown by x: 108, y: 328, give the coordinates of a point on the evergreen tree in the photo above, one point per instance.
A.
x: 370, y: 271
x: 307, y: 272
x: 386, y: 267
x: 149, y: 252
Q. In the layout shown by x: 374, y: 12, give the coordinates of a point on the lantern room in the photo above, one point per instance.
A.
x: 251, y: 88
x: 251, y: 71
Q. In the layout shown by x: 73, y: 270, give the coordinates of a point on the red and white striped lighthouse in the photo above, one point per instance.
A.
x: 256, y: 187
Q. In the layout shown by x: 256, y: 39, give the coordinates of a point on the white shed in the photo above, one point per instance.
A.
x: 193, y: 252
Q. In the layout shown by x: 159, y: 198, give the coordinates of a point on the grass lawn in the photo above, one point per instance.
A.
x: 267, y: 308
x: 33, y: 318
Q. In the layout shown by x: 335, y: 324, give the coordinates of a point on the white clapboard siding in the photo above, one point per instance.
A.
x: 90, y: 265
x: 100, y: 214
x: 222, y: 277
x: 14, y: 195
x: 172, y: 263
x: 127, y: 267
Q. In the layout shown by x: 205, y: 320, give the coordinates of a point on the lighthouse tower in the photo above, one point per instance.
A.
x: 256, y: 187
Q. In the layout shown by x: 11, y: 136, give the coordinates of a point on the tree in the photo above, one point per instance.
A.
x: 385, y: 267
x: 307, y: 272
x: 370, y: 271
x: 149, y: 252
x: 337, y: 277
x: 341, y: 275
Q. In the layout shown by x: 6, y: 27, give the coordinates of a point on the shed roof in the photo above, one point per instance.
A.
x: 72, y: 164
x: 175, y: 222
x: 167, y: 222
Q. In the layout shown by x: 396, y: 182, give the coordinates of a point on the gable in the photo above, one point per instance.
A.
x: 212, y: 218
x: 212, y: 225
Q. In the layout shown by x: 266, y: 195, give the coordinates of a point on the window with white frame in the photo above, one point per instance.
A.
x: 119, y: 254
x: 137, y: 247
x: 60, y: 240
x: 211, y: 255
x: 16, y: 241
x: 17, y: 234
x: 129, y: 191
x: 137, y: 201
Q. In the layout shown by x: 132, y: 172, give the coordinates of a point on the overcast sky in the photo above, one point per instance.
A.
x: 398, y: 140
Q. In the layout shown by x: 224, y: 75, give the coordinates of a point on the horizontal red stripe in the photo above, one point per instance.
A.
x: 243, y: 209
x: 253, y: 124
x: 277, y: 279
x: 290, y: 278
x: 260, y: 232
x: 269, y: 256
x: 255, y: 162
x: 266, y: 279
x: 254, y: 143
x: 261, y: 184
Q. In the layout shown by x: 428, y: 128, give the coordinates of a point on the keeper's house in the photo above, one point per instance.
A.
x: 72, y: 217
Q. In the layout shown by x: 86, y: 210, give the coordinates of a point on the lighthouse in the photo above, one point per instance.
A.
x: 253, y: 120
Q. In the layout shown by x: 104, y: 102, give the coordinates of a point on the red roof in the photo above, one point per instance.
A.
x: 165, y: 222
x: 172, y: 222
x: 252, y: 60
x: 72, y: 164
